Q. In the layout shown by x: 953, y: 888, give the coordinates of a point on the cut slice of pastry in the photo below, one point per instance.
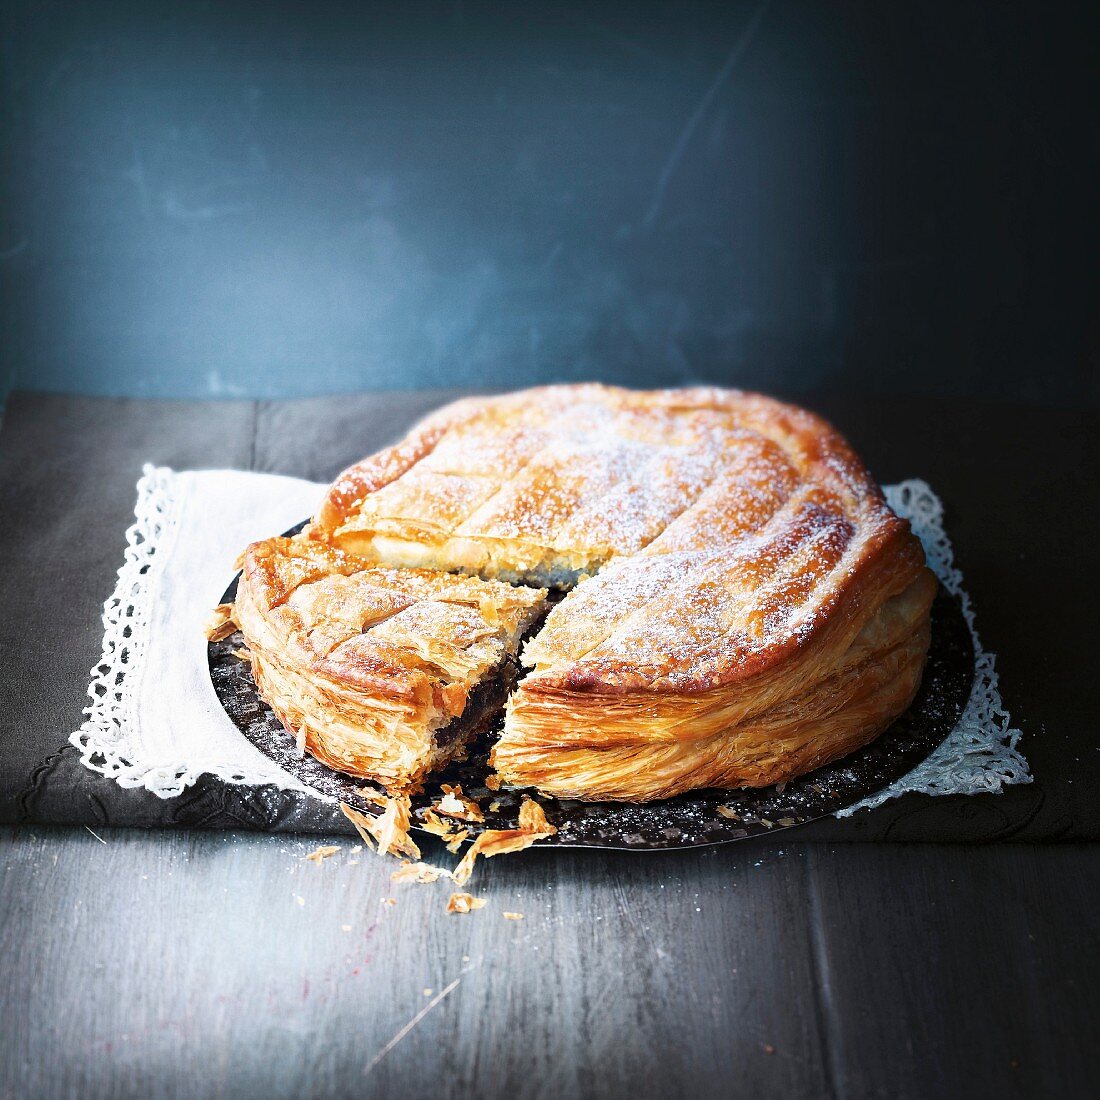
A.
x: 381, y: 673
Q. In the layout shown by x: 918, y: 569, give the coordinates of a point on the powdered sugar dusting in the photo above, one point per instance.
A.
x: 686, y: 613
x: 598, y: 472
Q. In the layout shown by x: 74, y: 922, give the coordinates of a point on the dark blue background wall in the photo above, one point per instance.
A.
x: 275, y: 199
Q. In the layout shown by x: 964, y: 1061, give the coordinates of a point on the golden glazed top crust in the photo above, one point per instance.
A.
x: 729, y: 530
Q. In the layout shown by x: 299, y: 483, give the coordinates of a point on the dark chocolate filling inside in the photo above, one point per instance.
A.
x: 483, y: 707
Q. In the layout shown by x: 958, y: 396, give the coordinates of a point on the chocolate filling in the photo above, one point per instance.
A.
x: 483, y: 706
x: 485, y: 703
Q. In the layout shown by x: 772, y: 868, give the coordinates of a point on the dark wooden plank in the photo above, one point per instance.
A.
x: 958, y: 970
x: 185, y: 965
x: 68, y: 467
x: 172, y: 964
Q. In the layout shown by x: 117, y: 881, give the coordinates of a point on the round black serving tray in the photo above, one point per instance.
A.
x: 701, y: 817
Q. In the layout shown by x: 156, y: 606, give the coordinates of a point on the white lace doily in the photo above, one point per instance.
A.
x: 981, y: 753
x: 155, y: 722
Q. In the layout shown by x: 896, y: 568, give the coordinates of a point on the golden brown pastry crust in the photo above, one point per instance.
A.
x: 756, y: 610
x: 821, y: 701
x: 366, y: 665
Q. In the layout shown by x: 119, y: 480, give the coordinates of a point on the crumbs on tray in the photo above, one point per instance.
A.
x: 455, y: 804
x: 219, y: 623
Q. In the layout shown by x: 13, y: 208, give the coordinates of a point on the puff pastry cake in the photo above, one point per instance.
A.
x: 381, y: 673
x: 741, y: 605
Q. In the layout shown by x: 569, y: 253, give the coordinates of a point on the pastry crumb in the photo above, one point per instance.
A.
x: 455, y: 804
x: 450, y: 806
x: 464, y: 903
x: 219, y: 623
x: 448, y: 833
x: 497, y: 842
x: 457, y: 840
x: 418, y: 872
x: 532, y: 818
x: 319, y: 855
x: 389, y: 832
x: 512, y: 916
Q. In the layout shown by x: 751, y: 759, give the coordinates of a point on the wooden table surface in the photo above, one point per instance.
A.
x: 220, y: 964
x: 207, y: 963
